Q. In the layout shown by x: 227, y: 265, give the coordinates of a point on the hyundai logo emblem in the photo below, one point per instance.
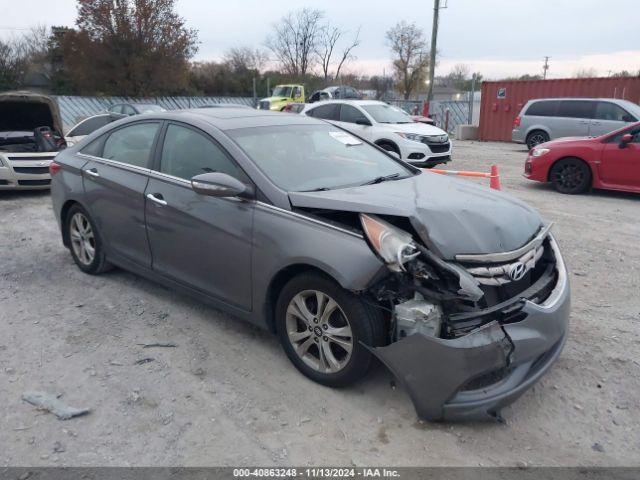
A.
x: 517, y: 271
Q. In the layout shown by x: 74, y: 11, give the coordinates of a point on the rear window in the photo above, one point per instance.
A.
x: 90, y: 125
x: 543, y: 109
x: 327, y: 112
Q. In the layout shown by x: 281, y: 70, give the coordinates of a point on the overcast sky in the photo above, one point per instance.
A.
x: 496, y: 37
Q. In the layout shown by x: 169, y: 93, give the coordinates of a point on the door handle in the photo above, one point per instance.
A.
x: 92, y: 172
x: 157, y: 198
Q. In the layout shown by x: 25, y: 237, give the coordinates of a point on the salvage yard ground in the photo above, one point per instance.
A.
x: 225, y: 394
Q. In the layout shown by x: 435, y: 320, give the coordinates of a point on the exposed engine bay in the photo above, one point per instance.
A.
x: 468, y: 327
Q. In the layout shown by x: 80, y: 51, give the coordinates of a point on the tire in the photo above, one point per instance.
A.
x: 389, y: 147
x: 536, y: 138
x: 570, y: 175
x: 305, y: 336
x: 85, y: 242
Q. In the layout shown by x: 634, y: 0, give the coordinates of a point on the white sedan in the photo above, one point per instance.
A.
x: 388, y: 127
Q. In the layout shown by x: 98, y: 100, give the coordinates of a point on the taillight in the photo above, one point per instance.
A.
x: 516, y: 122
x: 54, y: 168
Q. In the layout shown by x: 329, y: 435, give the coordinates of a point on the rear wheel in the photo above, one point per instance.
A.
x: 321, y: 327
x: 536, y: 138
x: 570, y: 175
x: 85, y: 242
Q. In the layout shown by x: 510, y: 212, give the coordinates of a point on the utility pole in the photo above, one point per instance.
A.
x: 545, y: 68
x: 434, y: 41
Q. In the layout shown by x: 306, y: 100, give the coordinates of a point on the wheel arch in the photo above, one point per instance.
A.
x: 278, y: 282
x: 64, y: 212
x: 391, y: 143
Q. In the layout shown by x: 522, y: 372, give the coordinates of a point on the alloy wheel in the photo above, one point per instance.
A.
x: 83, y: 240
x: 569, y: 176
x: 536, y: 139
x: 319, y: 331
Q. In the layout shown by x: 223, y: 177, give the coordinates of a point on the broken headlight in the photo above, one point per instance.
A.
x: 394, y: 246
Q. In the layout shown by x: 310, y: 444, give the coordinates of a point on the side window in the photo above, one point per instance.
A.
x: 131, y: 144
x: 115, y: 108
x: 128, y: 110
x: 89, y: 126
x: 187, y: 153
x: 296, y: 92
x: 575, y: 109
x: 543, y: 108
x: 94, y: 148
x: 350, y: 114
x: 326, y: 112
x: 611, y: 111
x: 315, y: 97
x: 352, y: 92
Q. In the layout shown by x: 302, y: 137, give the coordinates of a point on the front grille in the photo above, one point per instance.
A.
x: 502, y: 273
x: 439, y: 148
x: 31, y: 170
x: 34, y: 183
x: 41, y: 159
x: 485, y: 380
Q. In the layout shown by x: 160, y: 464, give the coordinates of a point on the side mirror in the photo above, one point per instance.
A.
x: 625, y: 139
x: 217, y: 184
x: 363, y: 121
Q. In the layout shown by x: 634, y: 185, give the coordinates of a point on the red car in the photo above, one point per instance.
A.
x: 573, y: 165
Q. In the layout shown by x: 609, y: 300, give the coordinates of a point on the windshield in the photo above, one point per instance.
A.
x: 387, y: 114
x: 315, y: 157
x: 149, y: 108
x: 282, y: 92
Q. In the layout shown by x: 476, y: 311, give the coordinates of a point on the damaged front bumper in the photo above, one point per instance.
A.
x: 437, y: 372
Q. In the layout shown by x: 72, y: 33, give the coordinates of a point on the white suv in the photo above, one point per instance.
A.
x: 388, y: 127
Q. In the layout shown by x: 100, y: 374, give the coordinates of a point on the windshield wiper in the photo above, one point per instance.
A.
x: 384, y: 178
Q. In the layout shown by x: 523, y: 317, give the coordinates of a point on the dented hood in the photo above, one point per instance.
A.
x: 451, y: 216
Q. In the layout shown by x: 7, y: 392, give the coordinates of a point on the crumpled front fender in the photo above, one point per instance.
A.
x: 432, y: 369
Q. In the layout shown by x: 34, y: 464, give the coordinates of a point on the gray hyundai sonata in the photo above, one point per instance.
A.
x: 345, y: 252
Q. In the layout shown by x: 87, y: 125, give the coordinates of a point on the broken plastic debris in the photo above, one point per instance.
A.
x: 49, y: 402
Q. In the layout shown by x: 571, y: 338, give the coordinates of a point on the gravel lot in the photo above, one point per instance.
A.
x: 227, y: 395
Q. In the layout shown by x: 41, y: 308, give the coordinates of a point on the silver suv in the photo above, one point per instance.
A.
x: 542, y: 120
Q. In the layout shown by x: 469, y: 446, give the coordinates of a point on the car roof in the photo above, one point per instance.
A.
x: 615, y: 100
x: 354, y: 102
x: 233, y: 118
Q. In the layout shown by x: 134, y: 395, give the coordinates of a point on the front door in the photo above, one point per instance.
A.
x: 115, y: 178
x: 349, y: 118
x: 620, y: 167
x: 198, y: 240
x: 607, y: 118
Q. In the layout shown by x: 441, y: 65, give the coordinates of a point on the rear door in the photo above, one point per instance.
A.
x: 573, y: 118
x: 198, y: 240
x: 115, y: 178
x: 620, y: 167
x: 609, y: 117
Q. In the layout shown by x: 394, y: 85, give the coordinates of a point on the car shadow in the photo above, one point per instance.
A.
x: 595, y: 192
x: 23, y: 194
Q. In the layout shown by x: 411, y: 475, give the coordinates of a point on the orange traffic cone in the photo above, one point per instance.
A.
x: 495, y: 178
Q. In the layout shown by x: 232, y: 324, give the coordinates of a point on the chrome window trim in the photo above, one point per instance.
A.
x: 115, y: 163
x: 506, y: 256
x: 309, y: 219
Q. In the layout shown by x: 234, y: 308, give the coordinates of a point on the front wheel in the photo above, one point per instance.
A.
x: 570, y: 175
x: 321, y: 327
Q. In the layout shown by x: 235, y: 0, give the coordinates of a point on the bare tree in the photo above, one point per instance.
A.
x: 328, y: 39
x: 410, y: 55
x: 294, y: 40
x: 241, y: 59
x: 585, y: 73
x: 347, y: 53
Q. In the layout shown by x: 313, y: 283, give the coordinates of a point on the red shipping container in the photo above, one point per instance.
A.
x: 502, y: 101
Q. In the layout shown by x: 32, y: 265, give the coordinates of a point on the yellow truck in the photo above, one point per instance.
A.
x: 282, y: 96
